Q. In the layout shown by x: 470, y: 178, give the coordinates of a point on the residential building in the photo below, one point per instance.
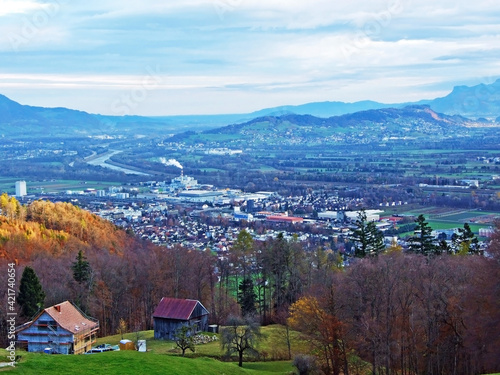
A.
x: 61, y: 328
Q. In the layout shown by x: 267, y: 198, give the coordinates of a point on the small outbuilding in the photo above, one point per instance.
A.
x: 173, y: 313
x: 127, y: 345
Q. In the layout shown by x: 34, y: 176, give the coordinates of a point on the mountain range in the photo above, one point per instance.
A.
x: 16, y: 120
x: 374, y: 125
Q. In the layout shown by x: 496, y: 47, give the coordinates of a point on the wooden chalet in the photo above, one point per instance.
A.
x: 61, y: 328
x: 173, y: 313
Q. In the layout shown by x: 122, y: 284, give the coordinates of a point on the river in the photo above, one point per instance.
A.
x: 101, y: 161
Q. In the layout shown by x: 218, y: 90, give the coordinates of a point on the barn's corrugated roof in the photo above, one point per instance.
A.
x: 175, y: 308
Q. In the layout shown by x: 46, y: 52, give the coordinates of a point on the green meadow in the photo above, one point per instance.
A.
x: 161, y: 357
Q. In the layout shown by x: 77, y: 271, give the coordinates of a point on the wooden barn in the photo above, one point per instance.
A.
x: 61, y: 328
x: 173, y: 313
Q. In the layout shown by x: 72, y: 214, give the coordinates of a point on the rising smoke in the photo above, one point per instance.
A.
x: 173, y: 162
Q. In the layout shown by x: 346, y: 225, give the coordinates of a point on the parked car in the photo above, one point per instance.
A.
x: 102, y: 348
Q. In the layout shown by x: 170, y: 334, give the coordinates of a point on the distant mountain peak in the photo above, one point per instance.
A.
x: 479, y: 101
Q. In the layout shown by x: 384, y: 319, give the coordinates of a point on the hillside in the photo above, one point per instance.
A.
x: 17, y: 119
x: 376, y: 125
x: 28, y: 122
x: 324, y: 109
x: 161, y: 358
x: 53, y: 229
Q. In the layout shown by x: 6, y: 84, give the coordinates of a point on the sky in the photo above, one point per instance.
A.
x: 178, y: 57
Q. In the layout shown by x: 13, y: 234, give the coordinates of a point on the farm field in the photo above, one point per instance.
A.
x: 440, y: 218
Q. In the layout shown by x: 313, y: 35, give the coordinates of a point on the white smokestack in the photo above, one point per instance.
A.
x: 172, y: 162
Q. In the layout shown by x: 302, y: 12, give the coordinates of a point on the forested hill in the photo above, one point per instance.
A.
x: 365, y: 126
x: 125, y: 279
x: 53, y: 229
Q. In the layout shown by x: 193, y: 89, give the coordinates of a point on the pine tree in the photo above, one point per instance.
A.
x: 31, y: 296
x: 466, y: 241
x: 423, y: 242
x: 82, y: 274
x: 369, y: 241
x: 360, y: 236
x: 377, y: 245
x: 81, y: 269
x: 247, y: 297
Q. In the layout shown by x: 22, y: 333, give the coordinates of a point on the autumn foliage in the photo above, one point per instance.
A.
x: 406, y: 314
x: 396, y: 313
x: 127, y: 278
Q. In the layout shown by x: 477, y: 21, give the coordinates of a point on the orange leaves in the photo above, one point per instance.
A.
x: 322, y: 329
x: 305, y: 315
x: 55, y: 229
x: 308, y: 317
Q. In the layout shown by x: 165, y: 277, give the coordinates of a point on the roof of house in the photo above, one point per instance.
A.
x: 174, y: 308
x: 284, y: 218
x: 68, y: 317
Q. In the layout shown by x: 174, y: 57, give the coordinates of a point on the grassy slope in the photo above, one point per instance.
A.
x: 161, y: 358
x: 132, y: 362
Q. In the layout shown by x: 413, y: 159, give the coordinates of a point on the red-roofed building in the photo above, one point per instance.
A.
x: 284, y: 219
x: 61, y: 328
x: 173, y: 313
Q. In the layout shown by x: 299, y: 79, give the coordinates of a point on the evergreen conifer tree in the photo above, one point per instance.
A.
x: 247, y: 297
x: 466, y: 241
x: 31, y: 295
x: 81, y: 268
x: 423, y: 242
x: 368, y: 240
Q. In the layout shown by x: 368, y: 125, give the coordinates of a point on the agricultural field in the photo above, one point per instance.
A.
x: 447, y: 218
x: 453, y: 219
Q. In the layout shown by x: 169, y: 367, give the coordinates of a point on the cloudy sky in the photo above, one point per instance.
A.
x: 155, y: 57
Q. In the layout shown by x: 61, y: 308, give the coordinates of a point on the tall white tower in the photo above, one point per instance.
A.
x: 20, y: 188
